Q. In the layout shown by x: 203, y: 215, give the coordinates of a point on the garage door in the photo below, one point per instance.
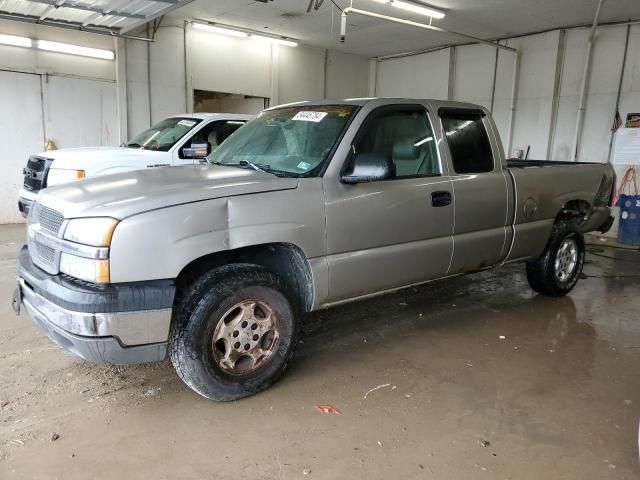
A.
x: 21, y: 134
x: 72, y: 112
x: 79, y: 112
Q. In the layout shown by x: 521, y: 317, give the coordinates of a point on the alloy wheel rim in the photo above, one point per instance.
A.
x: 566, y: 259
x: 245, y: 337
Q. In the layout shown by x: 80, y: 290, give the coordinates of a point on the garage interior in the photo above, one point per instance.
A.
x: 471, y: 377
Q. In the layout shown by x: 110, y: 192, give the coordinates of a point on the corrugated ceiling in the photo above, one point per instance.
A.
x: 117, y: 15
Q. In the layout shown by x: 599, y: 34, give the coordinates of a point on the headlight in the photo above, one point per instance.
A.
x: 94, y: 271
x: 96, y: 232
x: 91, y: 232
x: 56, y: 176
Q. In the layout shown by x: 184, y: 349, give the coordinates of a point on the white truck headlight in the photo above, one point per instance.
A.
x: 88, y: 269
x: 94, y: 231
x: 56, y: 176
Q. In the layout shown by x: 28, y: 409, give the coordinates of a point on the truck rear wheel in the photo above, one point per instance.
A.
x: 234, y: 332
x: 558, y: 269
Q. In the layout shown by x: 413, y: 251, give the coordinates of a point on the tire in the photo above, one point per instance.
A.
x: 234, y: 304
x: 558, y: 269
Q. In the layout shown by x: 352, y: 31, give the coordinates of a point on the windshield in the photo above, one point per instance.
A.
x: 293, y: 140
x: 164, y: 135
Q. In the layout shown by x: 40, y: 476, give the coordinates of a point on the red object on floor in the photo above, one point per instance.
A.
x: 328, y: 409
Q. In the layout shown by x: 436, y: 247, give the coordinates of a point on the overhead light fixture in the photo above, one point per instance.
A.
x: 277, y: 41
x: 414, y: 7
x: 220, y: 30
x: 15, y: 41
x: 75, y: 50
x: 242, y: 33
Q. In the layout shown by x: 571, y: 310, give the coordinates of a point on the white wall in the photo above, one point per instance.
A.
x: 33, y: 60
x: 226, y: 64
x: 347, y: 75
x: 220, y: 63
x: 419, y: 76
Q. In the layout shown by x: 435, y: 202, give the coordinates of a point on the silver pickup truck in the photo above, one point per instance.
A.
x: 307, y: 206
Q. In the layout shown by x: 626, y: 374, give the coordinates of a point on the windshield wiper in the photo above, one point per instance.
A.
x: 134, y: 145
x: 255, y: 166
x: 244, y: 164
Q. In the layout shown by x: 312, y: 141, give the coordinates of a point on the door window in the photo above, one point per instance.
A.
x: 403, y: 135
x: 214, y: 134
x: 468, y: 142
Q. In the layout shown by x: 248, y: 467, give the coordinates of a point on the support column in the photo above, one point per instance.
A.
x: 121, y: 89
x: 553, y: 121
x: 275, y: 71
x: 188, y: 77
x: 451, y: 89
x: 373, y: 77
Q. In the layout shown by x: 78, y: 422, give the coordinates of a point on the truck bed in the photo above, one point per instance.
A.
x: 514, y: 163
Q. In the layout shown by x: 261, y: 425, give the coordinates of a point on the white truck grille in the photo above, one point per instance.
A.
x: 47, y: 220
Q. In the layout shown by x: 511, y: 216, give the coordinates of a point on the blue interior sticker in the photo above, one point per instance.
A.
x: 304, y: 166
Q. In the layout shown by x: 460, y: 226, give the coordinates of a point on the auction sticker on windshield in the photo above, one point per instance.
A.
x: 187, y: 123
x: 309, y: 116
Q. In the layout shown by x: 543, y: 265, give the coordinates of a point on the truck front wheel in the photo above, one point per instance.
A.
x: 558, y: 269
x: 234, y: 332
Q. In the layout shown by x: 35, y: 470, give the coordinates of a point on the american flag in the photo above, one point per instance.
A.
x: 617, y: 122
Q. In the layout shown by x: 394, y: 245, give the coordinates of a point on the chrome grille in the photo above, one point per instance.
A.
x: 36, y: 164
x: 35, y: 173
x: 49, y: 221
x: 44, y: 253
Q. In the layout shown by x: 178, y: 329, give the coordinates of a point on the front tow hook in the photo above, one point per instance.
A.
x: 16, y: 301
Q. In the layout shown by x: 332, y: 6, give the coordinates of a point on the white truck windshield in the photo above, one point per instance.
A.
x: 164, y: 135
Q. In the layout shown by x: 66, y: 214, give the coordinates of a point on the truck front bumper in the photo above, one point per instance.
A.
x: 115, y: 324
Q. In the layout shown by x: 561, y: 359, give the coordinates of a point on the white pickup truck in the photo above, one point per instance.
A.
x: 178, y: 140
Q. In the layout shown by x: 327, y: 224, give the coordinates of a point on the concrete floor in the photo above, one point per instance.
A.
x: 484, y: 380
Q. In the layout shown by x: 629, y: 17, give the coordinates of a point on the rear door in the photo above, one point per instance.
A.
x: 481, y: 190
x: 387, y: 234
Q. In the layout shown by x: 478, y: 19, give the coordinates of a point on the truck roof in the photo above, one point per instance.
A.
x: 220, y: 116
x: 361, y: 102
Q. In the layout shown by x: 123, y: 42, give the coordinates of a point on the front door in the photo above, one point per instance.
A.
x: 388, y: 234
x: 212, y: 135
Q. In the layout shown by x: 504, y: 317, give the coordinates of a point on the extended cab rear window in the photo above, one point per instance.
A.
x: 468, y: 142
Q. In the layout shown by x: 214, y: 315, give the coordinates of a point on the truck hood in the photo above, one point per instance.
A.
x: 124, y: 194
x: 96, y: 159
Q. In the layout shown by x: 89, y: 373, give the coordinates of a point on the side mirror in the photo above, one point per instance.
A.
x: 368, y: 167
x: 196, y: 150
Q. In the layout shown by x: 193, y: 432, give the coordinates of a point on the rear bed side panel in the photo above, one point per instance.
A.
x: 541, y: 193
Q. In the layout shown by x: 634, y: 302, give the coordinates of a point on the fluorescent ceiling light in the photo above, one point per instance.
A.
x: 220, y: 30
x: 279, y: 41
x: 414, y: 7
x: 75, y: 49
x: 15, y: 41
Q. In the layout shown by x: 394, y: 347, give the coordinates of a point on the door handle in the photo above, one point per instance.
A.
x: 441, y: 199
